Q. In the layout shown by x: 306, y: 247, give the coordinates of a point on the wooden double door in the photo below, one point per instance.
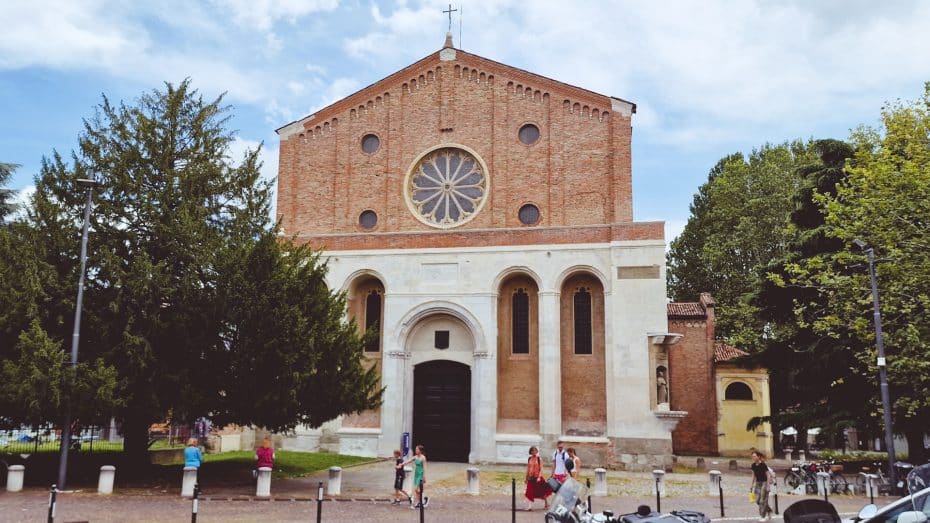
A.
x: 442, y: 410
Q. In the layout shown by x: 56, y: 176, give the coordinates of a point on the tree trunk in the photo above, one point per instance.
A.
x: 136, y: 442
x: 916, y: 453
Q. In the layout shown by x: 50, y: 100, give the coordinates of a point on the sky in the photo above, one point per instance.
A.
x: 709, y: 77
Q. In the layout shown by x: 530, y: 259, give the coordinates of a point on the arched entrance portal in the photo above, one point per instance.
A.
x: 442, y: 409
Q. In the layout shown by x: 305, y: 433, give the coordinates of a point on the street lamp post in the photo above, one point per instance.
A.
x: 88, y: 186
x: 882, y: 371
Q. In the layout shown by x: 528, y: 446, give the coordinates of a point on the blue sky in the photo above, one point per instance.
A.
x: 709, y: 78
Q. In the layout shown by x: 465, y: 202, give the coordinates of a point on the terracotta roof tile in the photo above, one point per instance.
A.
x: 724, y: 352
x: 685, y: 310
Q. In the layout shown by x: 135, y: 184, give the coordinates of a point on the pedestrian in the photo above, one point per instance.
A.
x: 419, y: 475
x: 559, y: 471
x: 536, y: 486
x: 399, y: 475
x: 193, y: 456
x: 762, y: 480
x: 264, y: 455
x: 573, y: 465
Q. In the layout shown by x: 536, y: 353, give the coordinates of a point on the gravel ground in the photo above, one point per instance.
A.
x: 365, y: 498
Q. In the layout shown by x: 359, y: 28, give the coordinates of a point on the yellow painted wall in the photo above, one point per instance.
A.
x: 732, y: 437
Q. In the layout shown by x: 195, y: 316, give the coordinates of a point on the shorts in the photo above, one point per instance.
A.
x: 398, y: 483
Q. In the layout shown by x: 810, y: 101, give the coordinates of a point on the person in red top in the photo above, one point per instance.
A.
x: 264, y: 455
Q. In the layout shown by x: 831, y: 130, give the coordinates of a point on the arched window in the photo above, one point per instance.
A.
x: 520, y: 321
x: 373, y: 319
x: 582, y: 314
x: 738, y: 391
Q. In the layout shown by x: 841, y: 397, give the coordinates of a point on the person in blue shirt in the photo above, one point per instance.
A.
x: 193, y: 457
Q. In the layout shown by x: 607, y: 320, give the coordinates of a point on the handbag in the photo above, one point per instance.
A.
x: 554, y: 484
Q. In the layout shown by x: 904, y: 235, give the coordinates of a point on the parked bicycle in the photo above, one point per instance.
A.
x: 806, y: 474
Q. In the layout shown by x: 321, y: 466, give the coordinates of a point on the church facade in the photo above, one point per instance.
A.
x: 480, y: 218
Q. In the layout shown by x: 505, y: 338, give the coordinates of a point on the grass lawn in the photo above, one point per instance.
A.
x: 287, y: 464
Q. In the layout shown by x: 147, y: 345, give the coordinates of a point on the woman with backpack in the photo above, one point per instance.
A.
x: 536, y: 486
x: 573, y: 463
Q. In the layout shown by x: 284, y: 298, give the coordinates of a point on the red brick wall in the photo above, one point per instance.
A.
x: 577, y: 174
x: 691, y: 386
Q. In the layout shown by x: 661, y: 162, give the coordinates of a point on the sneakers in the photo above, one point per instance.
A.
x: 414, y: 507
x: 425, y: 501
x: 395, y: 502
x: 409, y: 500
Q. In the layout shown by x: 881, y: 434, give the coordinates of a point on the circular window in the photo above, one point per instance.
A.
x: 529, y: 134
x: 370, y: 143
x: 446, y: 187
x: 529, y: 214
x: 368, y: 219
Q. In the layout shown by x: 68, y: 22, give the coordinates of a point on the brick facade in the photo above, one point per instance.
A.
x: 691, y: 376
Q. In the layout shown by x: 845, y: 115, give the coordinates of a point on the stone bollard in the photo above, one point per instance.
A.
x: 871, y: 485
x: 823, y: 483
x: 801, y: 456
x: 713, y: 482
x: 408, y: 480
x: 263, y: 484
x: 15, y: 475
x: 700, y: 465
x: 787, y: 455
x: 334, y: 485
x: 600, y: 482
x: 105, y: 482
x: 734, y: 465
x: 474, y: 483
x: 658, y: 482
x: 187, y: 484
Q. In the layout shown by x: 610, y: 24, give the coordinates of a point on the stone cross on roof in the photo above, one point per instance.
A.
x: 450, y: 11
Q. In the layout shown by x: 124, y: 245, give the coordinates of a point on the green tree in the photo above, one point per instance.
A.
x: 737, y: 227
x: 813, y: 376
x: 7, y: 206
x: 172, y: 213
x: 885, y: 201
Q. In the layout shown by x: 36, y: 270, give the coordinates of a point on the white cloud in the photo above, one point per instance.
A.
x: 22, y: 199
x: 262, y: 14
x: 268, y: 156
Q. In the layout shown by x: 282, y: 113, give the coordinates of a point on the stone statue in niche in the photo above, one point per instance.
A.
x: 661, y: 388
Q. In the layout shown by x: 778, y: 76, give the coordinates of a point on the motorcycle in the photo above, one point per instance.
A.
x: 570, y: 506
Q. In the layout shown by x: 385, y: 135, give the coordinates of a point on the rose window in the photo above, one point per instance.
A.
x: 447, y: 187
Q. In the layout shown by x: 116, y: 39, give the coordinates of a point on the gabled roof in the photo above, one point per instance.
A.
x: 452, y: 54
x: 724, y: 352
x: 687, y: 310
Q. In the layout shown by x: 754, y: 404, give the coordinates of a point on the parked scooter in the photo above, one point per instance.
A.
x: 570, y: 506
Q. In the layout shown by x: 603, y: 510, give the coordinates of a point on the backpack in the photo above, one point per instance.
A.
x: 569, y: 464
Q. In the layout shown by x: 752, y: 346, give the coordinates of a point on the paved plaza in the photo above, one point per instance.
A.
x: 365, y: 498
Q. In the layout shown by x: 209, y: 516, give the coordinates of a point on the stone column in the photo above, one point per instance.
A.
x: 550, y: 370
x: 483, y: 407
x: 263, y: 484
x: 600, y: 482
x: 105, y: 482
x: 393, y: 369
x: 713, y: 482
x: 474, y: 482
x: 15, y: 475
x: 188, y: 482
x: 334, y: 485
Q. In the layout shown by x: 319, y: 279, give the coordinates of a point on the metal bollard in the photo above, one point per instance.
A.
x: 422, y: 500
x: 194, y: 503
x: 600, y: 482
x: 513, y: 500
x: 188, y: 482
x: 334, y: 485
x: 52, y: 501
x: 720, y: 490
x: 870, y: 486
x: 659, y: 489
x: 587, y: 484
x: 107, y: 477
x: 474, y: 482
x: 15, y: 476
x: 713, y: 482
x: 319, y: 503
x: 263, y: 483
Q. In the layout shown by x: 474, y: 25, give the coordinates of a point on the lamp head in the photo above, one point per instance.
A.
x: 861, y: 244
x: 87, y: 183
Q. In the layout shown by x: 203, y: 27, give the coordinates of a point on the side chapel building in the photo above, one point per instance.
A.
x: 480, y: 217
